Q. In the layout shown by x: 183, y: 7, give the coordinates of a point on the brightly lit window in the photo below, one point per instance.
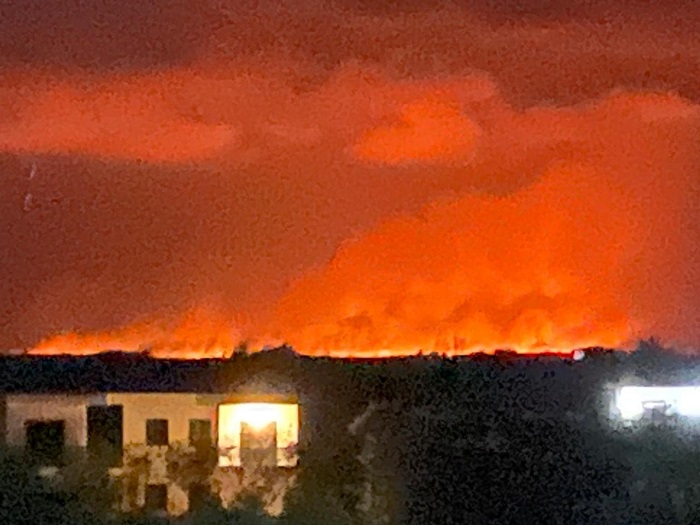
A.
x: 633, y: 402
x: 267, y: 432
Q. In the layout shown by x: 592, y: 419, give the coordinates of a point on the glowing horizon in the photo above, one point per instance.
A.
x: 355, y: 186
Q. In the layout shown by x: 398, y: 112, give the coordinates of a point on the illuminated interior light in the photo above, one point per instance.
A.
x: 258, y: 415
x: 629, y: 408
x: 632, y: 401
x: 285, y: 416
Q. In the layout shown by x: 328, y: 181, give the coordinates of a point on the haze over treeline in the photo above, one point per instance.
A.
x: 348, y: 178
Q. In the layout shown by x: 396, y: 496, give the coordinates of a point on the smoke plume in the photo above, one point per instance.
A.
x: 355, y: 182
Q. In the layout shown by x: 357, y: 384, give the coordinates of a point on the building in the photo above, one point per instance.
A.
x: 165, y: 452
x: 669, y: 400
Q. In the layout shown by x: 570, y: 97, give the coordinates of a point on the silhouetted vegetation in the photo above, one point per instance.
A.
x: 423, y: 440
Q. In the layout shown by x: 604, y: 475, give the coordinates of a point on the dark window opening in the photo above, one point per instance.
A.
x: 200, y: 433
x: 46, y: 441
x: 157, y: 432
x: 104, y: 438
x: 259, y: 445
x: 156, y: 498
x: 200, y: 497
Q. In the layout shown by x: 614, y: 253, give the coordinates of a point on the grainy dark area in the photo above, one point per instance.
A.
x: 483, y: 439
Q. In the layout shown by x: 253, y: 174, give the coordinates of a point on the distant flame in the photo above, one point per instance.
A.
x: 198, y: 334
x: 571, y: 227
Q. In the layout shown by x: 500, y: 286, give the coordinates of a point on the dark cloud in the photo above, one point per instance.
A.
x: 99, y: 34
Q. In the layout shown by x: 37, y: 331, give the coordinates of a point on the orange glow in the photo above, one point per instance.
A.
x: 563, y: 227
x: 124, y: 118
x: 258, y: 415
x: 198, y: 334
x: 583, y: 256
x: 427, y: 131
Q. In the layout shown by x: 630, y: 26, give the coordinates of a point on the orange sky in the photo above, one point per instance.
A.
x: 441, y: 180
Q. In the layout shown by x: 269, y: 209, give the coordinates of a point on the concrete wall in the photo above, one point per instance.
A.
x: 178, y: 409
x: 72, y: 409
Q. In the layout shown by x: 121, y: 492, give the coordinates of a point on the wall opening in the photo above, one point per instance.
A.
x: 259, y: 445
x: 657, y: 403
x: 156, y: 498
x: 258, y: 432
x: 200, y: 497
x: 105, y: 433
x: 45, y: 441
x: 157, y: 432
x: 200, y: 433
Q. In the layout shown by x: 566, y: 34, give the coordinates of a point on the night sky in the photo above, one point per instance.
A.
x: 349, y: 176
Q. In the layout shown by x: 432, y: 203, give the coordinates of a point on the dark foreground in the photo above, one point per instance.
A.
x: 485, y: 440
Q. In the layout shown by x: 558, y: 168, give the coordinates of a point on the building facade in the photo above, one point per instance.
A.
x: 165, y: 452
x: 639, y: 404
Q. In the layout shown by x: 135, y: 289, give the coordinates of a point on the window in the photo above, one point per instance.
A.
x: 259, y: 444
x: 200, y: 433
x: 241, y: 426
x: 199, y: 497
x: 45, y: 441
x: 104, y: 432
x: 156, y: 498
x: 157, y: 432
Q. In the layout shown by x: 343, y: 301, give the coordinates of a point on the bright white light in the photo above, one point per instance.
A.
x: 579, y: 355
x: 258, y: 415
x: 631, y: 401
